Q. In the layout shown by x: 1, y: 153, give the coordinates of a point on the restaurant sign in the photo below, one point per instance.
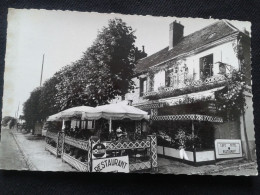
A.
x: 228, y: 148
x: 115, y: 164
x: 99, y: 150
x: 212, y: 107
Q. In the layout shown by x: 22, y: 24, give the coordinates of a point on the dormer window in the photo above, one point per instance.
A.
x: 211, y: 35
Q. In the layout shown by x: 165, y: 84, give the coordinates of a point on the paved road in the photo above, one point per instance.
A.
x: 11, y: 157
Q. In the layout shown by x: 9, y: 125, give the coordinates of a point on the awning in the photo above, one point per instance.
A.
x: 55, y: 117
x: 115, y: 112
x: 75, y: 112
x: 71, y: 113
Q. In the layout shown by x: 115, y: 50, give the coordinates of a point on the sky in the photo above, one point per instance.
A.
x: 63, y: 36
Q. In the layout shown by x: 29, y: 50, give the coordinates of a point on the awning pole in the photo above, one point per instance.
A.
x: 192, y: 128
x: 110, y: 125
x: 63, y: 125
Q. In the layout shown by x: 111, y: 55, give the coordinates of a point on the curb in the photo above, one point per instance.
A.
x: 30, y: 165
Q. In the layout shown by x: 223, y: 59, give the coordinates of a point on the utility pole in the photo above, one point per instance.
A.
x: 42, y: 69
x: 17, y: 113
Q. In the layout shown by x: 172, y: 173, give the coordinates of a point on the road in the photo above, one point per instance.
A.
x: 11, y: 157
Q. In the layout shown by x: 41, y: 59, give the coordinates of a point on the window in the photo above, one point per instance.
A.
x: 159, y: 80
x: 91, y: 124
x: 75, y: 123
x: 206, y: 66
x: 168, y: 75
x: 143, y: 86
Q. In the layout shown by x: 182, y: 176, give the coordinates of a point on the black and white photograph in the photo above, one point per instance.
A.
x: 107, y: 92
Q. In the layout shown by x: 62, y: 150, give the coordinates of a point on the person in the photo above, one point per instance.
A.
x: 105, y: 132
x: 119, y: 133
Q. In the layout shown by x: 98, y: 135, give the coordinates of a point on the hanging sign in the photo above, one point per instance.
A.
x: 115, y: 164
x: 228, y: 148
x: 99, y: 150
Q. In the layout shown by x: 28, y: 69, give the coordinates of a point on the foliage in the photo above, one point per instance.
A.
x: 231, y: 99
x: 47, y: 106
x: 6, y: 120
x: 180, y: 139
x: 185, y: 90
x: 12, y: 123
x: 72, y: 88
x: 31, y: 109
x: 104, y: 71
x: 110, y: 62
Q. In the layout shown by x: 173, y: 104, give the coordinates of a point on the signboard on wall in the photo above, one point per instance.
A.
x: 115, y: 164
x: 228, y: 148
x: 98, y: 150
x: 212, y: 107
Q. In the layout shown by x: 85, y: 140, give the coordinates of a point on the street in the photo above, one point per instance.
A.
x: 11, y: 157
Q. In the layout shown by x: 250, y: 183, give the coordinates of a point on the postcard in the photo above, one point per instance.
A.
x: 96, y: 92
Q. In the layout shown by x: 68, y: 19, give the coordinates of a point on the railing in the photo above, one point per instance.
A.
x: 195, y: 85
x: 149, y: 144
x: 128, y: 145
x: 50, y: 139
x: 52, y: 135
x: 78, y: 143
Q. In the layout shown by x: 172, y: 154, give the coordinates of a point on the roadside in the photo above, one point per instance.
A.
x: 227, y: 167
x: 36, y: 156
x: 11, y: 156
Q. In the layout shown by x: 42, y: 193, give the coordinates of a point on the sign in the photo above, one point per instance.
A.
x: 228, y: 148
x: 115, y: 164
x: 98, y: 150
x: 212, y: 107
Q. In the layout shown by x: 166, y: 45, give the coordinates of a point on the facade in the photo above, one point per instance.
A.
x: 177, y: 86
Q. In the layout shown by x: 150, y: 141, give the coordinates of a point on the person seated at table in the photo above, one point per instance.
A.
x: 76, y: 131
x: 119, y: 133
x: 104, y: 135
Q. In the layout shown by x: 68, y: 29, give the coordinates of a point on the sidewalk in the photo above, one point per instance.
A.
x: 227, y: 167
x: 37, y: 158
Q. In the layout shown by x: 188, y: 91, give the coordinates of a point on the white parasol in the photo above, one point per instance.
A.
x: 75, y: 112
x: 55, y: 117
x: 115, y: 112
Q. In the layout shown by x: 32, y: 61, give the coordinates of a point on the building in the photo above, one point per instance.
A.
x: 178, y: 87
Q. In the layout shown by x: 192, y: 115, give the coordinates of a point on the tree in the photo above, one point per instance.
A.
x: 105, y: 70
x: 31, y: 109
x: 111, y: 61
x: 12, y: 123
x: 6, y: 120
x: 72, y: 88
x: 47, y: 104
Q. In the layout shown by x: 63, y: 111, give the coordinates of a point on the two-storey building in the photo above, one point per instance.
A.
x: 177, y: 86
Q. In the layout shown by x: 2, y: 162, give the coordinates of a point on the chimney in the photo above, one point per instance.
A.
x: 245, y: 31
x: 143, y: 48
x: 175, y: 34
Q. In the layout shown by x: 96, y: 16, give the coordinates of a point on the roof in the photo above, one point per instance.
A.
x: 187, y: 44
